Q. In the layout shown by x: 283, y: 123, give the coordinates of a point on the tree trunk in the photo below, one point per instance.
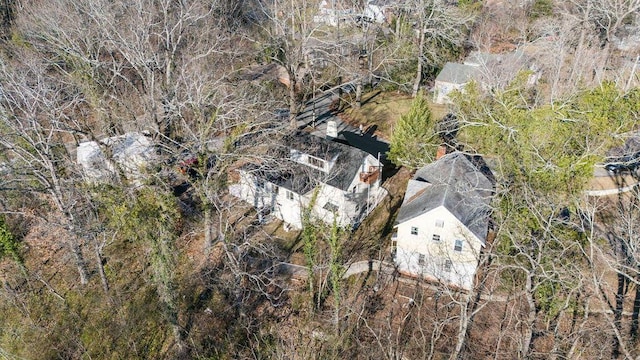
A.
x: 580, y: 47
x: 80, y: 263
x: 418, y: 79
x: 636, y: 312
x: 465, y: 319
x: 471, y: 306
x: 208, y: 229
x: 531, y: 319
x: 359, y: 94
x: 103, y: 275
x: 293, y: 102
x: 617, y: 313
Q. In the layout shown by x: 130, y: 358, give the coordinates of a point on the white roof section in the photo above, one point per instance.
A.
x: 130, y: 152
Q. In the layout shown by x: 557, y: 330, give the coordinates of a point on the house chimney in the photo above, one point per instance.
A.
x: 332, y: 129
x: 442, y: 151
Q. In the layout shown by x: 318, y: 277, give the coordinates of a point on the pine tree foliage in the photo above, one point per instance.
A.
x: 8, y: 243
x: 414, y: 141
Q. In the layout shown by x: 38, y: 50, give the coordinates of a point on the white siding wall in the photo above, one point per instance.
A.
x: 441, y: 91
x: 329, y: 194
x: 288, y: 207
x: 272, y: 197
x: 288, y: 210
x: 436, y: 253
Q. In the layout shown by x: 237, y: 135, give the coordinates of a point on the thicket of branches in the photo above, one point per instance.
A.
x: 171, y: 266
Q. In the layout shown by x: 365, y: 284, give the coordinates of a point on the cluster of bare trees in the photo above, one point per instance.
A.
x: 580, y: 43
x: 82, y: 71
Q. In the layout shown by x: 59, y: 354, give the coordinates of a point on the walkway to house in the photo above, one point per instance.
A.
x: 302, y: 272
x: 360, y: 267
x: 605, y: 183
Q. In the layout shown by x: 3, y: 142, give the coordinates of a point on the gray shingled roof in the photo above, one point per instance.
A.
x: 483, y: 67
x: 456, y: 183
x: 457, y: 73
x: 301, y: 179
x: 483, y: 59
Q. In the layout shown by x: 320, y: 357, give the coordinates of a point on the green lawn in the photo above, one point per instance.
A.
x: 383, y: 110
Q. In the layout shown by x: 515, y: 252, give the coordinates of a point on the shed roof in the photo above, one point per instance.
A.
x: 457, y: 73
x: 130, y: 151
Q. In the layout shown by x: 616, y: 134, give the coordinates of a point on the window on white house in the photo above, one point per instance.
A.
x: 439, y: 223
x: 436, y: 237
x: 313, y: 161
x: 458, y: 246
x: 331, y: 207
x: 289, y: 195
x: 414, y: 230
x: 422, y: 260
x: 447, y: 266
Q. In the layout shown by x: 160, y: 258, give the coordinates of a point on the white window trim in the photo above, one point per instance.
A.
x: 422, y: 260
x: 455, y: 246
x: 321, y: 161
x: 447, y: 266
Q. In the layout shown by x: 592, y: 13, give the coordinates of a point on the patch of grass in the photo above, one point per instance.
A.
x: 383, y: 109
x: 287, y: 240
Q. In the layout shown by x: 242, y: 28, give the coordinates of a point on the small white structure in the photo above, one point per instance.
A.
x: 453, y: 76
x: 333, y: 180
x: 126, y: 154
x: 378, y: 11
x: 332, y: 12
x: 443, y: 222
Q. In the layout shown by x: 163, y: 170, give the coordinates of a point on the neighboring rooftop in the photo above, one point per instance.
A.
x: 130, y: 152
x: 631, y: 146
x: 457, y: 73
x: 485, y: 68
x: 285, y: 172
x: 479, y: 58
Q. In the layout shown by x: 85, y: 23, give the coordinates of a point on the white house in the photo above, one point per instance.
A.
x: 443, y: 222
x: 332, y: 179
x: 126, y: 154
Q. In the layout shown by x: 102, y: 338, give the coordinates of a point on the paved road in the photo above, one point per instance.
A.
x: 302, y: 272
x: 321, y: 107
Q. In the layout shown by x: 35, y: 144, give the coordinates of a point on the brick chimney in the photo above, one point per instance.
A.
x: 442, y: 151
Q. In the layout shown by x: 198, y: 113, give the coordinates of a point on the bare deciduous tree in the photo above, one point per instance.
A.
x: 39, y: 120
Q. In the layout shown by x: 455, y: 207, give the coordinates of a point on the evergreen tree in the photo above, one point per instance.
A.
x: 414, y: 141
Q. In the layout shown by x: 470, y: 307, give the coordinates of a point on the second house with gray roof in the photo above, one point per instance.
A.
x: 443, y: 222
